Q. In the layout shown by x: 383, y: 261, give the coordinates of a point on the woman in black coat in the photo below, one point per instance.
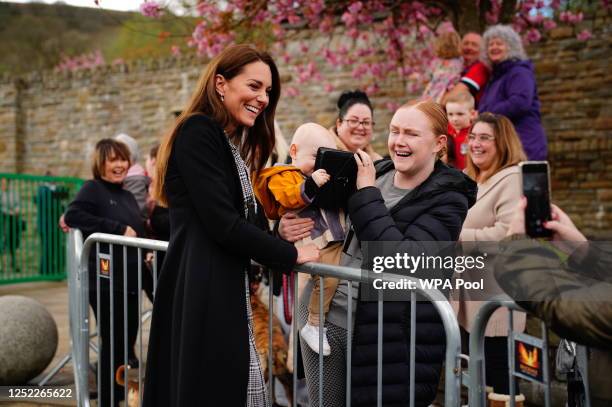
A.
x: 102, y: 205
x: 201, y: 349
x: 412, y: 197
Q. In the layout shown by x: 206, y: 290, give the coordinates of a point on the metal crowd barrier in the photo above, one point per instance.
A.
x: 452, y: 369
x: 74, y: 247
x: 534, y: 369
x: 81, y: 335
x: 82, y: 349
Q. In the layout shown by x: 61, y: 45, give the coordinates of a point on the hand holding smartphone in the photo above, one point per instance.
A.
x: 536, y: 188
x: 342, y: 170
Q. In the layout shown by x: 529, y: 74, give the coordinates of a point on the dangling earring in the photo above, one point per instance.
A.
x: 222, y: 97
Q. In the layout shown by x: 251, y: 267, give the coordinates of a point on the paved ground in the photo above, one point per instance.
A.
x: 54, y: 296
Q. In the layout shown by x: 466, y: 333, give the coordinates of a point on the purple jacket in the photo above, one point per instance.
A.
x: 512, y: 92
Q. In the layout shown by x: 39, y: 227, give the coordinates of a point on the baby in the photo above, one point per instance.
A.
x: 292, y: 188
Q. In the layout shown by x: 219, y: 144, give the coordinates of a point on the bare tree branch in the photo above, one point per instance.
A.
x: 508, y: 11
x: 468, y: 16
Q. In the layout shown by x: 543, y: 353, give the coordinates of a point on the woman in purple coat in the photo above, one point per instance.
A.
x: 512, y: 89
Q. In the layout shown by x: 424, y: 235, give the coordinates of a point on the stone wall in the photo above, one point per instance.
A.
x: 8, y: 124
x: 51, y: 121
x: 575, y: 88
x: 57, y: 118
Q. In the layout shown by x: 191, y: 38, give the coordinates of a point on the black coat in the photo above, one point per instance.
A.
x: 434, y: 211
x: 105, y: 207
x: 198, y: 348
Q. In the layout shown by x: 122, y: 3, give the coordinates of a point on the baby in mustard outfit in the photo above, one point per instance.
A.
x: 292, y: 188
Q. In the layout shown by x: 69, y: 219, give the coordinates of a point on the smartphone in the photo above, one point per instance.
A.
x: 536, y: 188
x: 342, y: 168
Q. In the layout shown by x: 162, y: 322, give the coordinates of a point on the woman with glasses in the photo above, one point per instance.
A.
x: 352, y: 132
x: 353, y: 129
x: 494, y: 150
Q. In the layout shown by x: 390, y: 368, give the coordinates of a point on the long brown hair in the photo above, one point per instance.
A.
x: 259, y: 139
x: 507, y: 143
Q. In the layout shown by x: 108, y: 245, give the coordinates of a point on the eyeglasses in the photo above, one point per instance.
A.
x: 482, y: 138
x: 354, y: 123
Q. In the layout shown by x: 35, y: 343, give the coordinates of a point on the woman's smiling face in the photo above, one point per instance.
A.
x: 115, y: 169
x: 481, y: 143
x: 246, y: 95
x: 497, y: 50
x: 359, y: 136
x: 413, y: 146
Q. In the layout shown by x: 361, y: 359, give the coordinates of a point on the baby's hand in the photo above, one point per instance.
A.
x: 320, y: 177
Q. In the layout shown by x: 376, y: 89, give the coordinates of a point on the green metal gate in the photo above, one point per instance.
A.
x: 32, y: 246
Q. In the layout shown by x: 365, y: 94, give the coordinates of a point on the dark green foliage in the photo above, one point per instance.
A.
x: 34, y: 36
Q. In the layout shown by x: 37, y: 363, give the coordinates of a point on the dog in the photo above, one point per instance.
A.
x: 123, y: 373
x: 279, y: 345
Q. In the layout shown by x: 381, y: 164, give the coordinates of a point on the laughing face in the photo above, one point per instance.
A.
x: 481, y: 144
x: 246, y: 95
x: 497, y: 50
x: 470, y: 48
x: 412, y: 144
x: 115, y: 169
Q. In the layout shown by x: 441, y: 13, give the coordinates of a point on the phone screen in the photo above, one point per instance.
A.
x: 537, y: 191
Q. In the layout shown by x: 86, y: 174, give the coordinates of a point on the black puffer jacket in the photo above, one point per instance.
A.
x: 434, y: 211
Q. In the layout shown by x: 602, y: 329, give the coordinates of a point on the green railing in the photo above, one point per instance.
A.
x: 32, y: 246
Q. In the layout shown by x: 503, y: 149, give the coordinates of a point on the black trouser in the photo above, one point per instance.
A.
x: 496, y: 362
x: 11, y: 230
x: 52, y: 246
x: 117, y: 338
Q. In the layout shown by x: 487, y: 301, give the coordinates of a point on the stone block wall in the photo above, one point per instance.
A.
x: 51, y: 121
x: 8, y: 124
x: 575, y: 89
x: 61, y: 116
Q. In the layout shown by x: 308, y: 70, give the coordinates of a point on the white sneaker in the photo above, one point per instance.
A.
x: 310, y: 334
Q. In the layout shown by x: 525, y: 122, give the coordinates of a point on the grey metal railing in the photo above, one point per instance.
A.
x: 81, y: 335
x: 476, y: 366
x: 451, y: 328
x: 83, y: 306
x: 76, y: 311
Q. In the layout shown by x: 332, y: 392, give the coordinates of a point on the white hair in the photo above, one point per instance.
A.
x: 507, y: 34
x: 132, y: 145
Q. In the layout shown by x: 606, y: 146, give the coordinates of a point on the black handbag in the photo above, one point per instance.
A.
x: 342, y: 168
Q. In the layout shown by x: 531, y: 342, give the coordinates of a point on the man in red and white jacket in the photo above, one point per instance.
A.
x: 475, y: 73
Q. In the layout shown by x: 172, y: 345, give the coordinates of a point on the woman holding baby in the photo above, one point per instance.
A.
x: 412, y: 196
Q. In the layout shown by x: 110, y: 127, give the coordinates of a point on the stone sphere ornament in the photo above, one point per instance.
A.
x: 28, y: 339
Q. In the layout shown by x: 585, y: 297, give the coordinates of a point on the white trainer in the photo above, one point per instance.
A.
x: 310, y: 334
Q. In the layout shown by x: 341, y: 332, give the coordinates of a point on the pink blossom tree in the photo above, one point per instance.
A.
x: 79, y: 62
x: 375, y: 38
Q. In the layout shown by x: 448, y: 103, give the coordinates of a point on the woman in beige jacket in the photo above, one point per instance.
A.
x: 494, y: 150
